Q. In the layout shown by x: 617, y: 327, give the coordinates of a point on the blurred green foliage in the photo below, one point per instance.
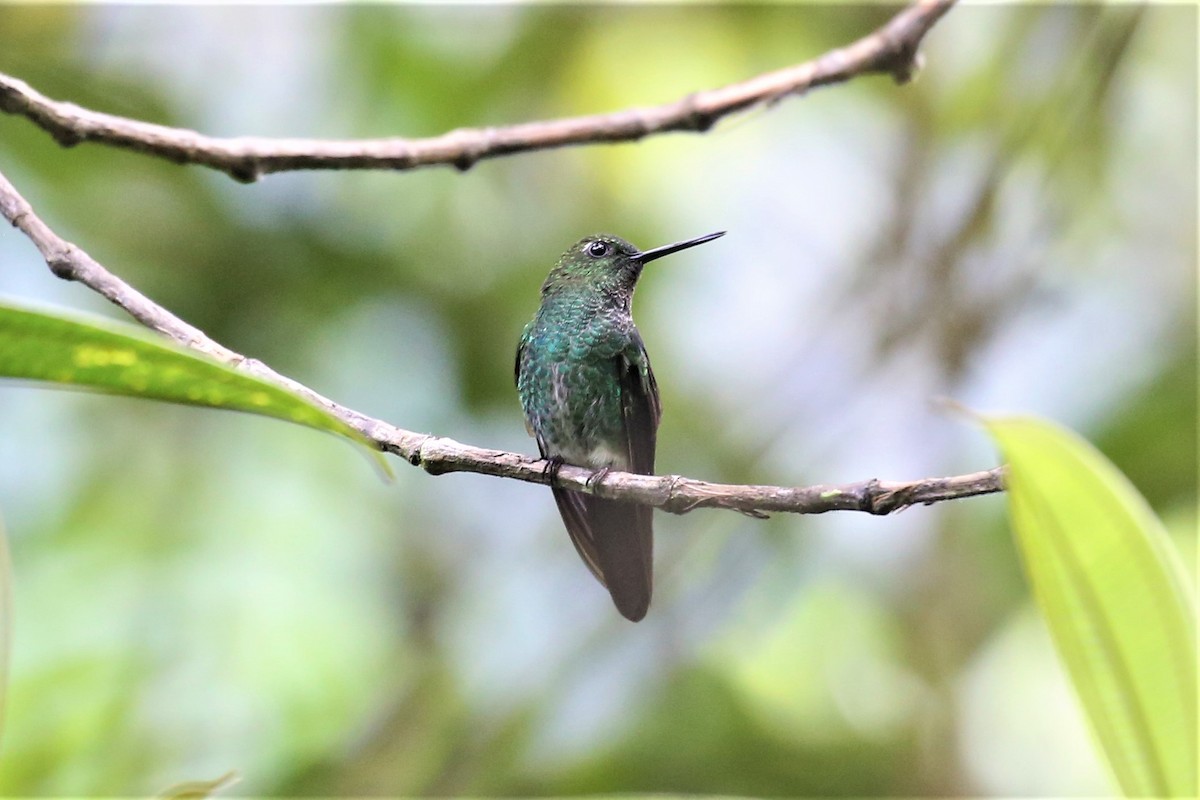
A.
x: 196, y: 592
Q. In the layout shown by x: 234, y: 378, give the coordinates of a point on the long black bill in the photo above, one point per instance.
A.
x: 667, y: 249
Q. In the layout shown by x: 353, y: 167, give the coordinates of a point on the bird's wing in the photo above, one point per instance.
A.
x: 614, y: 538
x: 640, y: 407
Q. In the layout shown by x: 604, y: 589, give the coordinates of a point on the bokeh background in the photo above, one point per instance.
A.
x: 197, y: 591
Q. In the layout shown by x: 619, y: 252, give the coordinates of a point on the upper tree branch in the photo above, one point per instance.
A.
x: 891, y: 49
x: 438, y: 455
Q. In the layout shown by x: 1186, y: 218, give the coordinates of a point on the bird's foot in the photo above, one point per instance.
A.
x: 596, y: 477
x: 553, y: 465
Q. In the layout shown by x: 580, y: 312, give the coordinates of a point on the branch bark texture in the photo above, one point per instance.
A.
x: 892, y: 49
x: 438, y: 455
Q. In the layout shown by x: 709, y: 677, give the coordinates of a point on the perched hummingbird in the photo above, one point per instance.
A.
x: 590, y: 399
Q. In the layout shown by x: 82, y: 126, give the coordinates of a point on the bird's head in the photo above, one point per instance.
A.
x: 609, y: 263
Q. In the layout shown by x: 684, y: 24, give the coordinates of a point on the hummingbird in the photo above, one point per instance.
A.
x: 590, y: 399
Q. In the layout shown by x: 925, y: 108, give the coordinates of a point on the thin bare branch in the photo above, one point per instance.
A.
x: 892, y: 49
x: 438, y: 455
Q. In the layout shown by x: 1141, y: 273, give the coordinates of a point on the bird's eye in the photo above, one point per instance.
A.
x: 597, y: 249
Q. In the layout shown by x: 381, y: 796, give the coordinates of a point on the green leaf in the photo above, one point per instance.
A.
x: 1115, y: 597
x: 124, y: 360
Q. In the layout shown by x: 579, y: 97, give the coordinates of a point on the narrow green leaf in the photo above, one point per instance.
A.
x: 1115, y: 597
x: 44, y: 347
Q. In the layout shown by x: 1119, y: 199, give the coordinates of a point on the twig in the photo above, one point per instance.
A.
x: 438, y: 455
x: 891, y: 49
